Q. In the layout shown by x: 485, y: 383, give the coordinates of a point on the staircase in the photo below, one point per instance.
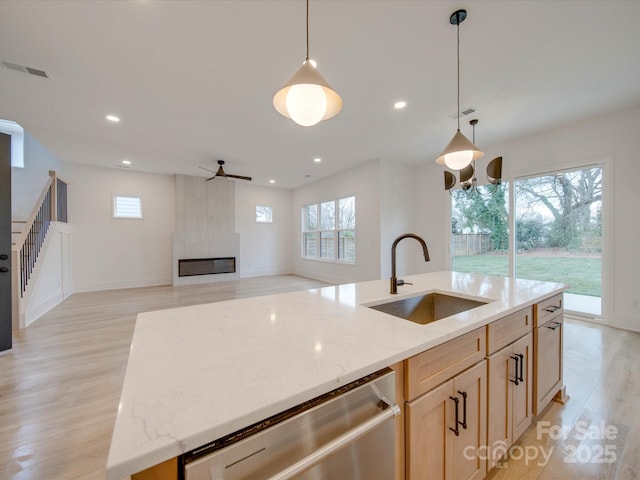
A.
x: 28, y: 238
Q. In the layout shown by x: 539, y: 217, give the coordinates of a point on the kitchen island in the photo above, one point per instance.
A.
x: 198, y: 373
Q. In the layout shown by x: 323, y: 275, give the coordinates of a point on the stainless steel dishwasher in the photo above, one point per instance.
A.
x: 348, y: 433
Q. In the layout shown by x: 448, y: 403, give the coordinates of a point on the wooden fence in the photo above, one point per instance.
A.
x: 463, y: 244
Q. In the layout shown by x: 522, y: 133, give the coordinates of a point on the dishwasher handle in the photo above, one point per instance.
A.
x: 343, y: 440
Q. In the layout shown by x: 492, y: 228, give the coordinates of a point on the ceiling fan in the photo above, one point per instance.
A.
x: 221, y: 173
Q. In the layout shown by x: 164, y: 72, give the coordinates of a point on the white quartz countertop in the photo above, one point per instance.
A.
x: 198, y: 373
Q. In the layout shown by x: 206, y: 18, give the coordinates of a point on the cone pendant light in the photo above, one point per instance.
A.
x: 460, y: 152
x: 307, y: 98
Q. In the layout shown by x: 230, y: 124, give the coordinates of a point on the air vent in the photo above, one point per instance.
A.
x: 21, y: 68
x: 463, y: 113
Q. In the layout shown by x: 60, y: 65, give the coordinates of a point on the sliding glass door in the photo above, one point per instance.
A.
x: 558, y: 232
x: 556, y: 220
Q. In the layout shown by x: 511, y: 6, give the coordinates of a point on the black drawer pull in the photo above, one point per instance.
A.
x: 552, y: 309
x: 553, y: 325
x: 517, y: 359
x: 4, y: 269
x: 456, y: 430
x: 464, y: 409
x: 521, y: 375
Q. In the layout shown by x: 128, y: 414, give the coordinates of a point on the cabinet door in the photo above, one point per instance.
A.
x: 548, y: 371
x: 429, y: 440
x: 502, y: 372
x: 522, y: 397
x: 467, y: 463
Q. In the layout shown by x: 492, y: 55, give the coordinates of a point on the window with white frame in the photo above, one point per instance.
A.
x: 264, y: 214
x: 329, y: 230
x: 127, y: 206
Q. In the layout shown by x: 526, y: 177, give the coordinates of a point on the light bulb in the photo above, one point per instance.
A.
x: 458, y: 160
x: 306, y: 104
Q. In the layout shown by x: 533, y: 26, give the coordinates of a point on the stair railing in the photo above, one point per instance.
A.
x: 50, y: 207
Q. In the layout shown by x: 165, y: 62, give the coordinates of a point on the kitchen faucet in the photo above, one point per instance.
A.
x: 394, y: 281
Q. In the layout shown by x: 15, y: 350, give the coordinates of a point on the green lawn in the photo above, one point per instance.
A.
x: 583, y: 274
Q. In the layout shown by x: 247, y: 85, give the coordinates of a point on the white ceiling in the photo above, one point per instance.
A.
x: 193, y: 81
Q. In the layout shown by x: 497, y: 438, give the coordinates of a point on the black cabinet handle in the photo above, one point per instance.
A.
x: 553, y: 325
x: 457, y: 402
x: 552, y: 309
x: 464, y: 409
x: 4, y: 269
x: 521, y: 375
x: 4, y: 256
x: 517, y: 359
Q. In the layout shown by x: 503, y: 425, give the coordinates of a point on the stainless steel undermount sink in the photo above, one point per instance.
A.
x: 428, y: 308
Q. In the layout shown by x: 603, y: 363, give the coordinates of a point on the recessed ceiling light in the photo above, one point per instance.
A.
x: 272, y: 181
x: 317, y: 160
x: 113, y: 118
x: 399, y: 104
x: 126, y: 162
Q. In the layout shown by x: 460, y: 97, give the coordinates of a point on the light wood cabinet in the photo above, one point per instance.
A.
x: 547, y: 345
x: 439, y: 448
x: 510, y: 396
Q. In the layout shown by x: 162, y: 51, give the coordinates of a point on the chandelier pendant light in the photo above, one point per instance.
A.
x: 468, y: 180
x: 307, y: 98
x: 460, y: 152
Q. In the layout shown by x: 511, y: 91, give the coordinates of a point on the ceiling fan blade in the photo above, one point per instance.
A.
x: 238, y: 176
x: 203, y: 168
x: 210, y: 178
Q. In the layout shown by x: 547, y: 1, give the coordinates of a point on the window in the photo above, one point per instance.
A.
x: 127, y: 206
x: 329, y: 230
x: 264, y: 214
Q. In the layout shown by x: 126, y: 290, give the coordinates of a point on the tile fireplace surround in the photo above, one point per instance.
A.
x: 205, y: 226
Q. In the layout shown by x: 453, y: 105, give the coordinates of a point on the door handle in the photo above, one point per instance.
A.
x: 456, y: 430
x: 464, y: 409
x: 4, y: 269
x: 517, y: 359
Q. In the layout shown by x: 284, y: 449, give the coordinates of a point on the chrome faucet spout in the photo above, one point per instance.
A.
x: 425, y: 251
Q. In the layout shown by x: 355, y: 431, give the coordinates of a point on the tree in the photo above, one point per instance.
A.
x: 483, y: 212
x: 570, y: 198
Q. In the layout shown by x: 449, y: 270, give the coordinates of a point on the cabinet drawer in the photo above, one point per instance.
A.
x: 546, y: 309
x: 438, y: 364
x: 508, y: 329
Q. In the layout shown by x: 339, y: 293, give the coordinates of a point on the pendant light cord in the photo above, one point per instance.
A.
x: 308, y: 31
x: 458, y: 54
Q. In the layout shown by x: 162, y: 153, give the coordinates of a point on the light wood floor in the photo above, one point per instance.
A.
x: 60, y: 386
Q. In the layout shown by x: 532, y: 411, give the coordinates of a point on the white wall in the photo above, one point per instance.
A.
x: 27, y: 183
x: 397, y: 211
x: 265, y: 248
x: 363, y: 182
x: 119, y: 253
